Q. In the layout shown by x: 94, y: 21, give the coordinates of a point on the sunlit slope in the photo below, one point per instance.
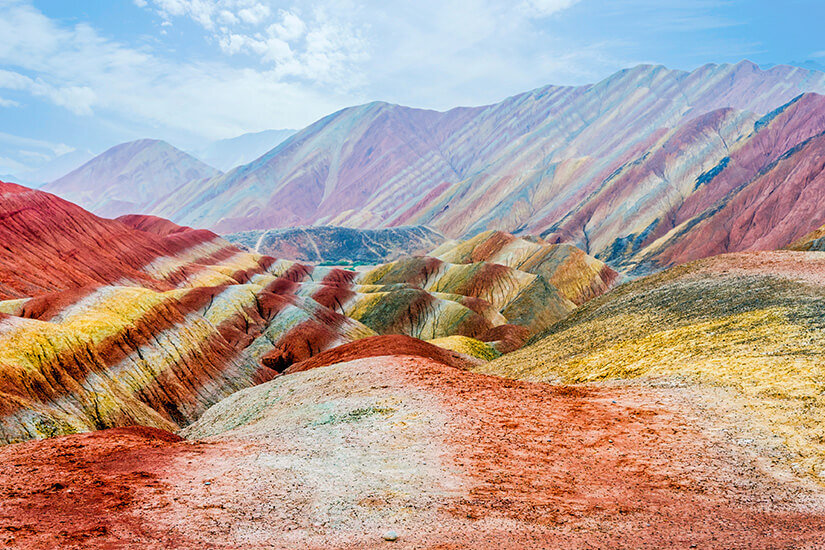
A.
x: 749, y: 322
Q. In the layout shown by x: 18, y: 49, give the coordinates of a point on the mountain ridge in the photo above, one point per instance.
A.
x: 520, y: 165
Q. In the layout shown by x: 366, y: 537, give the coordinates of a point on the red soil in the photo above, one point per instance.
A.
x: 544, y: 467
x: 376, y: 346
x: 152, y: 224
x: 507, y: 337
x: 604, y: 468
x: 775, y: 209
x: 76, y: 491
x: 51, y: 244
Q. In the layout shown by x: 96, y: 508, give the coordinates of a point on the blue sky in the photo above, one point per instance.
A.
x: 89, y: 74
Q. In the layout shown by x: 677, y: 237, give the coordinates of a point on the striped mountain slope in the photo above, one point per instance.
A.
x: 107, y: 323
x: 577, y: 276
x: 646, y: 169
x: 51, y: 244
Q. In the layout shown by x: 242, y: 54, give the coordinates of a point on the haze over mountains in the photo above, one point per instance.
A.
x: 129, y: 177
x: 226, y: 154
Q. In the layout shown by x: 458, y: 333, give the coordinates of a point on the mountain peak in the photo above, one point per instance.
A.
x: 127, y: 178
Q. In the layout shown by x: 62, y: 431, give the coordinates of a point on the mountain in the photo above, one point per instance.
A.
x: 759, y: 188
x: 111, y: 323
x: 336, y: 245
x: 227, y: 154
x: 528, y: 164
x: 127, y: 178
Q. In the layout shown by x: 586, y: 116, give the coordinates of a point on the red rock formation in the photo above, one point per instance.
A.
x: 51, y: 244
x: 394, y: 345
x: 152, y: 224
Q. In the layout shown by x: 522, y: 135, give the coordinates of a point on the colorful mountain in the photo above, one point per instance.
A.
x: 577, y: 276
x: 129, y: 177
x: 625, y: 153
x: 741, y: 333
x: 767, y: 191
x: 51, y: 244
x: 111, y: 323
x: 339, y: 245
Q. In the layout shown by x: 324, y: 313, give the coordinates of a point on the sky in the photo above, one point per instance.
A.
x: 85, y: 75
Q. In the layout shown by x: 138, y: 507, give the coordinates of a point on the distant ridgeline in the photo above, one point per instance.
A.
x: 646, y: 169
x: 327, y: 245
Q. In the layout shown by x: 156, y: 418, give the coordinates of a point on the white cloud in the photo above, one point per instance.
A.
x: 316, y: 48
x: 78, y: 99
x: 544, y: 8
x: 206, y: 12
x: 9, y: 165
x: 255, y: 14
x: 36, y: 156
x: 291, y: 27
x: 8, y: 102
x: 76, y: 68
x: 56, y: 149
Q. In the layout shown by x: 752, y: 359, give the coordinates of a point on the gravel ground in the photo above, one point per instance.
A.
x: 338, y: 456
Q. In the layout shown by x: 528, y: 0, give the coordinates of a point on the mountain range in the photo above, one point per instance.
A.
x: 163, y: 387
x: 636, y: 169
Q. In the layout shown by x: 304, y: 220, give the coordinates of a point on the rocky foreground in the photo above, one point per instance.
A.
x: 341, y: 456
